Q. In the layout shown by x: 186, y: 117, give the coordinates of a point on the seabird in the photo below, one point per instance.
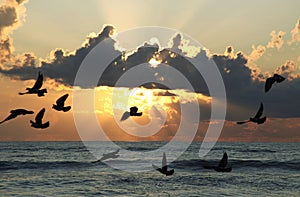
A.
x: 164, y: 168
x: 36, y: 89
x: 60, y: 104
x: 111, y: 155
x: 132, y: 112
x: 16, y: 112
x: 222, y: 164
x: 269, y: 82
x: 257, y: 118
x: 38, y: 121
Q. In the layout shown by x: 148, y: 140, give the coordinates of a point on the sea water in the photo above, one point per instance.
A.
x: 67, y: 169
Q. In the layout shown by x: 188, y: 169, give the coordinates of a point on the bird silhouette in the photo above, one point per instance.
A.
x: 271, y: 80
x: 16, y: 112
x: 38, y: 121
x: 36, y: 89
x: 60, y: 104
x: 111, y: 155
x: 164, y: 169
x: 132, y: 112
x: 257, y: 118
x: 222, y: 167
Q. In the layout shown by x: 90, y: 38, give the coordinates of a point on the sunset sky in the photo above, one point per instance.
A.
x: 248, y: 40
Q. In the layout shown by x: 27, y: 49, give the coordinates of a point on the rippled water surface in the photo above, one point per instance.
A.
x: 67, y: 169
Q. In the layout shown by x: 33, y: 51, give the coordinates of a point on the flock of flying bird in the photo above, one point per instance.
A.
x: 60, y: 106
x: 223, y: 163
x: 257, y: 118
x: 36, y: 89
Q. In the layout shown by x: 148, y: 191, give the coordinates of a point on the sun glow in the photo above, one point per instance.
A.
x: 154, y: 62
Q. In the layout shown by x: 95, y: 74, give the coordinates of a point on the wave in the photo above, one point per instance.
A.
x: 237, y: 164
x: 16, y: 165
x: 189, y: 165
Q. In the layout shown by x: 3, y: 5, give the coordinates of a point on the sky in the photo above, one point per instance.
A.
x: 248, y: 41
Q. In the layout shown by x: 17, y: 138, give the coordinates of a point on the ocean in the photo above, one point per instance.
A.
x: 68, y: 169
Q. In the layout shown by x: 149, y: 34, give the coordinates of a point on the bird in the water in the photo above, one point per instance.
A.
x: 38, y: 121
x: 60, y: 104
x: 36, y: 89
x: 16, y: 112
x: 111, y: 155
x: 222, y: 167
x: 257, y: 118
x: 164, y: 169
x: 271, y: 80
x: 133, y: 112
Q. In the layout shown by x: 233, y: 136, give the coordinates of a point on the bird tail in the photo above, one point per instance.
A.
x: 65, y: 109
x: 242, y: 122
x: 45, y: 125
x: 22, y: 93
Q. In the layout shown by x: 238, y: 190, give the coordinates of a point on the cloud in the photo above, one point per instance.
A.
x: 276, y: 40
x: 275, y: 129
x: 229, y: 52
x: 243, y: 81
x: 62, y: 67
x: 295, y: 33
x: 288, y: 69
x: 8, y: 16
x: 257, y: 52
x: 164, y: 93
x: 12, y: 14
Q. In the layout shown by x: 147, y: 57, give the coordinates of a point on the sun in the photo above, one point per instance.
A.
x: 153, y: 62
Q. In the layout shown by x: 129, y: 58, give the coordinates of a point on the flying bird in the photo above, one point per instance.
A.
x: 16, y: 112
x: 132, y: 112
x: 36, y: 89
x: 60, y: 104
x: 111, y: 155
x: 222, y: 167
x: 257, y: 118
x: 38, y: 121
x: 271, y: 80
x: 164, y: 169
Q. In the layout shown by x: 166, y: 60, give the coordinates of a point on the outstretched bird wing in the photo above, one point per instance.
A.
x: 164, y: 166
x: 269, y: 83
x: 156, y: 168
x: 242, y: 122
x: 61, y: 100
x: 278, y: 78
x: 223, y: 161
x: 39, y: 82
x: 11, y: 116
x: 39, y: 116
x: 125, y: 116
x: 21, y: 111
x: 260, y: 111
x: 262, y: 120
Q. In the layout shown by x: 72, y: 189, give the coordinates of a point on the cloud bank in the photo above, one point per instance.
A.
x: 244, y: 83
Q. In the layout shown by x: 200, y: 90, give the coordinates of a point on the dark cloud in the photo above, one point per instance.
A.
x: 287, y: 69
x: 8, y: 16
x: 11, y: 15
x: 244, y: 85
x: 5, y: 51
x: 62, y: 67
x: 20, y: 1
